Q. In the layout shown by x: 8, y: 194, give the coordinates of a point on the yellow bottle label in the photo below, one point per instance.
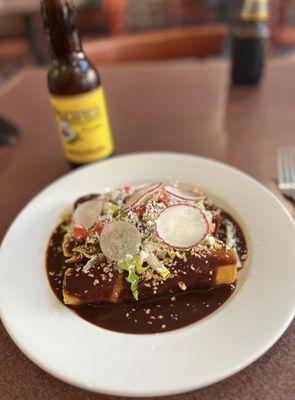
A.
x: 84, y: 126
x: 255, y: 10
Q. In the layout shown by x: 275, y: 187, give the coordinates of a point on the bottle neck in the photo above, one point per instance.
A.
x: 59, y: 18
x: 255, y: 11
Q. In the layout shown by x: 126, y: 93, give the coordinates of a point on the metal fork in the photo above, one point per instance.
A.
x: 286, y: 171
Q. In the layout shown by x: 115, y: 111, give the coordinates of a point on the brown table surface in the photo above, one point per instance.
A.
x: 12, y: 7
x: 179, y: 106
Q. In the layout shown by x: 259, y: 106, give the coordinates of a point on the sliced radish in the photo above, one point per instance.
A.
x: 119, y: 240
x: 183, y: 194
x: 140, y: 195
x: 87, y: 213
x: 182, y: 226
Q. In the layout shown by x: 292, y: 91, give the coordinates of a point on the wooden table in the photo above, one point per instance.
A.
x: 180, y: 106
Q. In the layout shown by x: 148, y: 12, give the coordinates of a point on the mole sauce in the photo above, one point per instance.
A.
x: 158, y: 314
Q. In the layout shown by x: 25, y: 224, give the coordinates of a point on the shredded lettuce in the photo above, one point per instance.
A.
x: 120, y: 215
x: 133, y: 279
x: 138, y: 265
x: 200, y: 204
x: 230, y: 234
x: 135, y: 269
x: 82, y: 251
x: 181, y: 255
x: 163, y: 271
x: 110, y: 209
x: 239, y: 262
x: 90, y: 263
x: 176, y: 253
x: 135, y: 262
x: 158, y: 266
x: 217, y: 246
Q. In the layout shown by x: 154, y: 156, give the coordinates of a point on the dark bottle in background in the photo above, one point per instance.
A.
x: 250, y: 42
x: 75, y: 89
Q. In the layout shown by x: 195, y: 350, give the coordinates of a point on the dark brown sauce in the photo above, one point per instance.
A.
x: 150, y: 316
x: 157, y: 315
x: 85, y: 198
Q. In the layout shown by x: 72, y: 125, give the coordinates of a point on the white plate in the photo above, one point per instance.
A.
x: 84, y: 355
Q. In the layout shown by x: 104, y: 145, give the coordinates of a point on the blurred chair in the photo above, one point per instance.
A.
x: 128, y: 16
x: 115, y: 11
x: 193, y: 41
x: 92, y: 19
x: 14, y: 54
x: 282, y: 23
x: 14, y: 50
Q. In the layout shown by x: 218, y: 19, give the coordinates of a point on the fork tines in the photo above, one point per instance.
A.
x: 286, y: 170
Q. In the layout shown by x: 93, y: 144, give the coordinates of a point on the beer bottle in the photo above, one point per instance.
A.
x: 249, y: 42
x: 75, y: 89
